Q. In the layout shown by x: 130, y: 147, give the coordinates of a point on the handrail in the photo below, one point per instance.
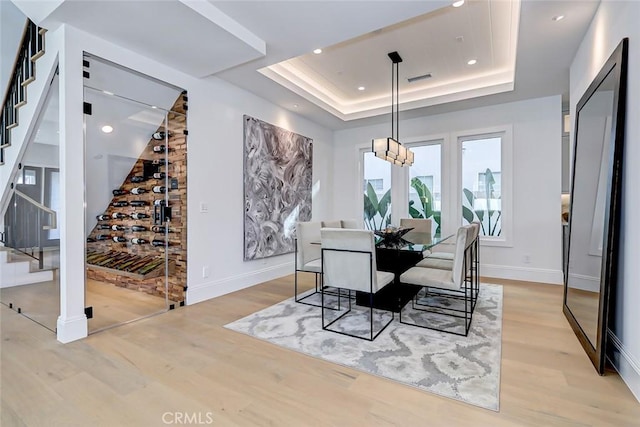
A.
x: 31, y: 47
x: 16, y: 61
x: 54, y: 215
x: 52, y: 225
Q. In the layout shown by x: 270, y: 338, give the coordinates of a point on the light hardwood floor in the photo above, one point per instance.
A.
x: 185, y: 361
x: 112, y: 305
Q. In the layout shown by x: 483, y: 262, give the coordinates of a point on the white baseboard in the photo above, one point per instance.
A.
x: 72, y: 329
x: 626, y: 365
x: 216, y: 288
x: 541, y: 275
x: 585, y: 283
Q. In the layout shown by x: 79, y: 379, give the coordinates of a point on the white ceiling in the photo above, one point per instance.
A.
x: 232, y: 40
x: 352, y: 79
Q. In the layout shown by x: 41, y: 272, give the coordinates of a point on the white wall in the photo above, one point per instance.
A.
x: 536, y: 165
x: 613, y: 21
x: 215, y: 239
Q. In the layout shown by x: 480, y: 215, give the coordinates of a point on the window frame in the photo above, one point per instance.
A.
x: 361, y: 150
x: 504, y: 132
x: 445, y: 214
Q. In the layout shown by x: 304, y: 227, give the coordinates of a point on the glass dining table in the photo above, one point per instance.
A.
x: 397, y: 256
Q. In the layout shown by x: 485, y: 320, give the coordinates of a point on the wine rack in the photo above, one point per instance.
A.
x: 142, y: 217
x: 129, y: 265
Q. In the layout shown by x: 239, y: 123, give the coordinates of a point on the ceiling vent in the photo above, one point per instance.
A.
x: 417, y: 78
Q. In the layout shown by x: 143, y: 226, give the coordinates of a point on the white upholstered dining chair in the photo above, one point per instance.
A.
x: 351, y: 224
x: 349, y: 263
x: 307, y: 257
x: 452, y: 284
x: 419, y: 225
x: 332, y: 224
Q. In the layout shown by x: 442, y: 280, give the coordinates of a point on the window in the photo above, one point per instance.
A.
x: 482, y: 183
x: 482, y: 177
x: 27, y: 177
x: 377, y: 192
x: 377, y: 184
x: 425, y: 184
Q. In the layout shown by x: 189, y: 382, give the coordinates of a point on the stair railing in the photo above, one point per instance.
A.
x: 24, y: 221
x: 23, y: 72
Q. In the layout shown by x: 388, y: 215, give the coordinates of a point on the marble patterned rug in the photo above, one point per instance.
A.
x: 458, y: 367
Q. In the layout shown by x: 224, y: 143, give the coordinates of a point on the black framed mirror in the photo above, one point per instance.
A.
x: 594, y: 219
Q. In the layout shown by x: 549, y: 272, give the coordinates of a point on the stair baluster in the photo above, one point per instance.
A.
x: 23, y: 72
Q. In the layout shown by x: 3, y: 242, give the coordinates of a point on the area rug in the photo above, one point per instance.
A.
x: 458, y: 367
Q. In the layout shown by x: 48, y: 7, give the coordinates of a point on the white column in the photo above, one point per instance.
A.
x: 72, y: 323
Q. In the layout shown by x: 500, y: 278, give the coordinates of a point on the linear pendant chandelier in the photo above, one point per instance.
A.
x: 390, y: 149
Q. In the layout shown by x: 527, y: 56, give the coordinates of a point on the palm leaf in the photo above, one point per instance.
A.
x: 469, y: 195
x: 383, y: 205
x: 437, y: 217
x: 369, y: 210
x: 414, y: 212
x: 424, y: 194
x: 467, y: 214
x: 373, y: 197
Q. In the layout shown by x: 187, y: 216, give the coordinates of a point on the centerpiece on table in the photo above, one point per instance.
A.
x: 392, y: 235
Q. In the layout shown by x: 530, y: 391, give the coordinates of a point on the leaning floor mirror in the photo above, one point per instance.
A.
x: 594, y: 219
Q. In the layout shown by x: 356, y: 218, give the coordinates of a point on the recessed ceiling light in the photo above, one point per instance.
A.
x: 361, y: 88
x: 558, y: 18
x: 317, y: 51
x: 107, y: 129
x: 153, y: 106
x: 295, y: 105
x: 458, y: 3
x: 106, y: 92
x: 471, y: 62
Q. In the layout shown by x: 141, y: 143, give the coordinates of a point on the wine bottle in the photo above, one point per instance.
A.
x: 119, y: 192
x: 138, y: 241
x: 103, y: 227
x: 139, y: 215
x: 138, y: 178
x: 120, y: 204
x: 160, y: 162
x: 159, y: 175
x: 138, y: 228
x: 160, y: 202
x: 103, y: 237
x: 118, y: 227
x: 138, y: 203
x: 159, y: 149
x: 159, y: 189
x: 118, y: 215
x: 138, y: 190
x: 160, y: 135
x: 119, y: 239
x: 103, y: 217
x: 160, y: 229
x: 159, y: 242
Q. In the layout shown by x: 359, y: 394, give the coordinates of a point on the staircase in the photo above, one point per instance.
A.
x: 16, y: 266
x: 23, y: 73
x: 18, y: 269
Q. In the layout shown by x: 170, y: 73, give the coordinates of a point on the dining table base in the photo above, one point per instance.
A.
x: 392, y: 297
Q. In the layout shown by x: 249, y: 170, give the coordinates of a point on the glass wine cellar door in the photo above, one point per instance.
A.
x: 128, y: 214
x: 30, y: 250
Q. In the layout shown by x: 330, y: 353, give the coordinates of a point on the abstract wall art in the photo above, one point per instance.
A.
x: 277, y: 187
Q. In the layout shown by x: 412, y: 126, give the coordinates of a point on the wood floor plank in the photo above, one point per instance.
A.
x: 185, y: 361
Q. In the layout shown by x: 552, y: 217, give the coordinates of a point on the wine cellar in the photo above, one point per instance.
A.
x: 143, y: 228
